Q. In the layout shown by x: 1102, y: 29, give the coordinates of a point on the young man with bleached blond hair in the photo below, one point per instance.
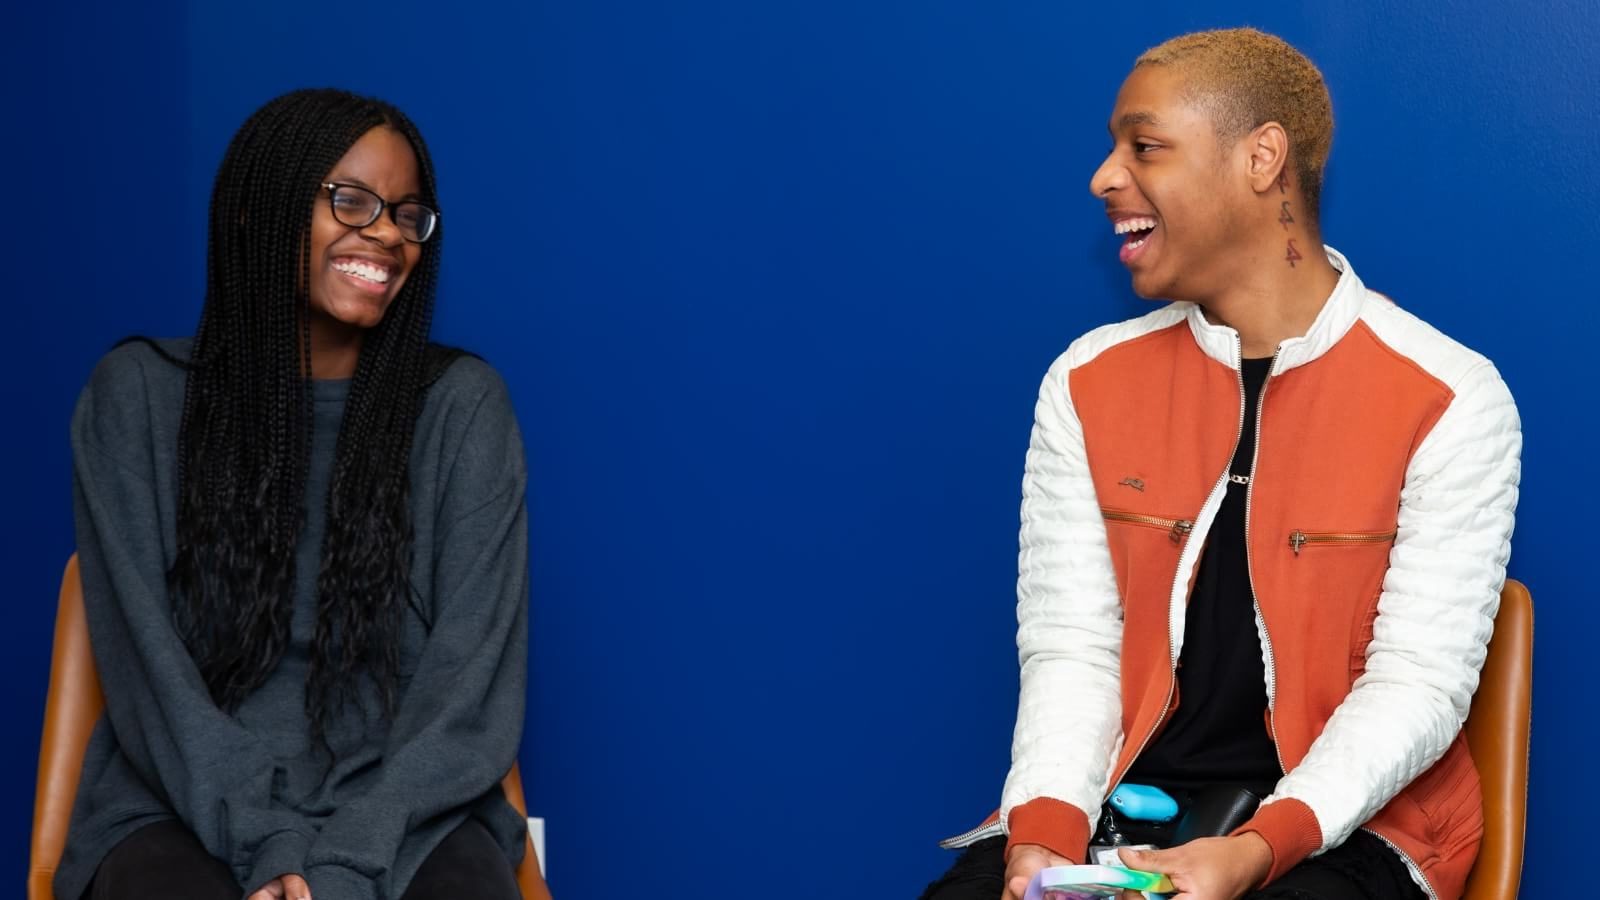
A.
x: 1264, y: 527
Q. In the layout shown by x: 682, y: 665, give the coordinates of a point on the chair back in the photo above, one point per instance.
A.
x: 71, y: 708
x: 1497, y: 734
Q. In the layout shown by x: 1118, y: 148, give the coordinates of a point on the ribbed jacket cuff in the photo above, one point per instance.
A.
x: 283, y: 853
x: 1059, y: 827
x: 1290, y: 828
x: 334, y: 881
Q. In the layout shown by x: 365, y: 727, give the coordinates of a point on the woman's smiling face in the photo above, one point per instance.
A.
x: 357, y: 272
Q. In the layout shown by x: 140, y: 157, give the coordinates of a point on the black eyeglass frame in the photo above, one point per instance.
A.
x: 332, y: 186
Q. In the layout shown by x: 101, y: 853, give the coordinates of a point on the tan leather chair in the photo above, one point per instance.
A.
x: 71, y: 710
x: 1497, y: 734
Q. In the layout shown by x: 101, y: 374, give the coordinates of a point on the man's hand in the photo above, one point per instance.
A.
x: 284, y: 887
x: 1219, y: 868
x: 1025, y: 862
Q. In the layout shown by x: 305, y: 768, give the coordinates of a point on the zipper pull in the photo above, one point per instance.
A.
x: 1297, y: 539
x: 1180, y: 530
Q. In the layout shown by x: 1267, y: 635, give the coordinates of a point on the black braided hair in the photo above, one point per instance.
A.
x: 245, y: 440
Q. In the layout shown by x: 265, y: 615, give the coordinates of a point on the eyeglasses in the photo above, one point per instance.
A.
x: 358, y: 207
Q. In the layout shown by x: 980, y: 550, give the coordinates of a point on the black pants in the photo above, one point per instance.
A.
x: 1362, y: 868
x: 166, y: 860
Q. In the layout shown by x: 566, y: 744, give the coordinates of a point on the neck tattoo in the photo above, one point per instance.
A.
x: 1286, y: 218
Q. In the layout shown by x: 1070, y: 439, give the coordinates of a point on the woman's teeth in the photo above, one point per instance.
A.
x: 367, y: 271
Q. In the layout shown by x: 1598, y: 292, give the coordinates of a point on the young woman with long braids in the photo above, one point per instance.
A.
x: 303, y: 541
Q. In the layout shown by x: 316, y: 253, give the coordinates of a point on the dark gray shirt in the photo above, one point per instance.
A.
x: 248, y: 784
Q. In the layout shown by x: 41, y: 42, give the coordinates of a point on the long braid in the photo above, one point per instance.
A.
x: 367, y: 495
x: 245, y: 439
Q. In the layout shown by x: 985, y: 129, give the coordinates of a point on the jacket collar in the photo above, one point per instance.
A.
x: 1332, y: 323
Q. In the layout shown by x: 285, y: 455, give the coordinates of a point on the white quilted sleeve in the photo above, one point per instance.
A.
x: 1434, y: 617
x: 1069, y: 619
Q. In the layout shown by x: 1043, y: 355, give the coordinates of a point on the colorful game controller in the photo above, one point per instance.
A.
x: 1091, y: 882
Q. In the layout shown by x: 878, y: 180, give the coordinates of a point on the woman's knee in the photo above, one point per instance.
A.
x: 162, y: 860
x: 467, y: 863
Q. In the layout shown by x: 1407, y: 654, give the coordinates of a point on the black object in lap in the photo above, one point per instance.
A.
x: 1216, y: 811
x: 1204, y: 812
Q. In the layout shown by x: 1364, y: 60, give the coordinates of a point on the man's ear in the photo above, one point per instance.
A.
x: 1268, y: 146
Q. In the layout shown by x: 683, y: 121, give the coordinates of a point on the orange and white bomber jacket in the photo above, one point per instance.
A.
x: 1378, y: 518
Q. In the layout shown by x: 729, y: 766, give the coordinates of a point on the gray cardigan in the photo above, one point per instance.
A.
x: 247, y: 784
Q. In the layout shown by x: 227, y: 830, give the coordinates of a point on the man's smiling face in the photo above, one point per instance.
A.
x: 1169, y: 187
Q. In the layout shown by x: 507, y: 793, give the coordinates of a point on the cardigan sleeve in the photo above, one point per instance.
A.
x: 215, y: 775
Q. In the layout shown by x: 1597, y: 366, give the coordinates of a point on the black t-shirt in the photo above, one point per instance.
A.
x: 1218, y: 731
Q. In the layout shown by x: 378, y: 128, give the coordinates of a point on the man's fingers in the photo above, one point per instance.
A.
x: 1016, y: 887
x: 1162, y: 861
x: 1136, y: 859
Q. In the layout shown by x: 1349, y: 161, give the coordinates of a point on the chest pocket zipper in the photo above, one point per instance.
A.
x: 1176, y: 529
x: 1298, y: 538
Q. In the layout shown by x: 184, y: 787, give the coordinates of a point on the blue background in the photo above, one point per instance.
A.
x: 773, y: 285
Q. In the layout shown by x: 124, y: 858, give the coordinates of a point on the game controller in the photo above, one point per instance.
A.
x: 1091, y: 882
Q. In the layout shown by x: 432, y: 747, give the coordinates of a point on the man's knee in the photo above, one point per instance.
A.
x: 978, y: 874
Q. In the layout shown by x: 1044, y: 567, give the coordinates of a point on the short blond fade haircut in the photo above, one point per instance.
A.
x: 1247, y: 78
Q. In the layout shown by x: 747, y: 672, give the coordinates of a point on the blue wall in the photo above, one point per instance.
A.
x: 774, y: 285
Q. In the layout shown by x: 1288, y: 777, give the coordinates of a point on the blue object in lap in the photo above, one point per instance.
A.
x: 1144, y: 803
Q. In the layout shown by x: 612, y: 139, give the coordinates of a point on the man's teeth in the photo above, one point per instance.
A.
x: 370, y: 272
x: 1127, y: 225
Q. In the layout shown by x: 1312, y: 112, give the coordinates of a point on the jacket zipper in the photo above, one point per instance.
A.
x: 1177, y: 579
x: 968, y: 838
x: 1267, y: 655
x: 1172, y: 663
x: 1298, y: 538
x: 1411, y: 866
x: 1177, y: 529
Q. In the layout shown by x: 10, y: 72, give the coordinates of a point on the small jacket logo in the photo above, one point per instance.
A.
x: 1135, y: 483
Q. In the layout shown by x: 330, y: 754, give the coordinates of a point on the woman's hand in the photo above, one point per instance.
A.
x: 1025, y: 862
x: 1219, y: 868
x: 284, y: 887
